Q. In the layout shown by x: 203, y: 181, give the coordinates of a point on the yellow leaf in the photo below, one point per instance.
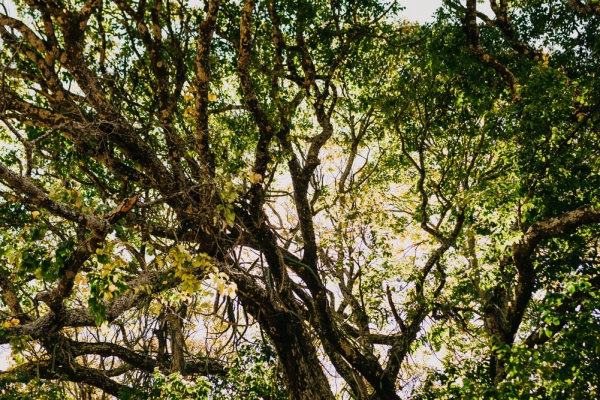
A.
x: 255, y: 178
x: 155, y: 307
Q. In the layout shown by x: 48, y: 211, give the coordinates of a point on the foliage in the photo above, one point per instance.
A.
x: 254, y: 374
x: 32, y: 389
x: 305, y: 200
x: 173, y: 387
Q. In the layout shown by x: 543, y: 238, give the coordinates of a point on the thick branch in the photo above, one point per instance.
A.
x: 74, y: 373
x: 37, y: 197
x: 472, y: 31
x: 523, y: 250
x: 206, y: 30
x: 503, y: 22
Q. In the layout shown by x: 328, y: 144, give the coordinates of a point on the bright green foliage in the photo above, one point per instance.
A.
x: 173, y: 387
x: 32, y: 389
x: 254, y: 375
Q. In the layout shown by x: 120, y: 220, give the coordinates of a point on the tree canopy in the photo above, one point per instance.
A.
x: 301, y: 199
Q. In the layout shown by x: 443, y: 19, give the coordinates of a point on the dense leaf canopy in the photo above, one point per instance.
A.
x: 303, y: 199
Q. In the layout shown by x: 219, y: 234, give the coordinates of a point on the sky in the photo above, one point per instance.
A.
x: 423, y: 10
x: 420, y: 10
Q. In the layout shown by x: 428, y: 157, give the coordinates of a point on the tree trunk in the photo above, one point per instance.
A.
x: 303, y: 374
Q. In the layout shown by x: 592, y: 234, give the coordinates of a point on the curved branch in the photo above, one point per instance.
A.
x: 37, y: 197
x: 74, y: 373
x: 523, y: 250
x: 206, y: 30
x: 472, y: 31
x: 503, y: 22
x: 204, y: 367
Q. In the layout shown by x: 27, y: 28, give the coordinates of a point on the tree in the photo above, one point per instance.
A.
x: 190, y: 189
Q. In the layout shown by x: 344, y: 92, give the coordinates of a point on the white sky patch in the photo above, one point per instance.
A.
x: 9, y: 6
x: 5, y: 360
x: 423, y: 10
x: 420, y: 10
